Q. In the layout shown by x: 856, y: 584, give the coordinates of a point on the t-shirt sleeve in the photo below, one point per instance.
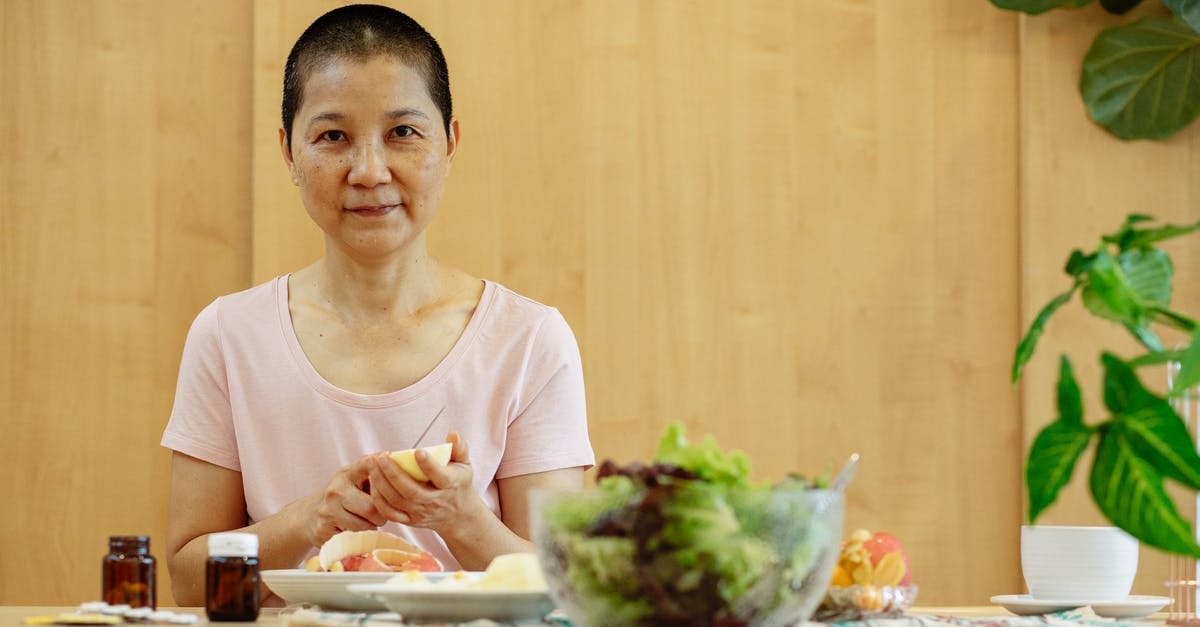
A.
x: 201, y: 423
x: 550, y: 431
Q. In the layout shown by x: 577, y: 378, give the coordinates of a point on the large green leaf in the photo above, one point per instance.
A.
x: 1029, y: 342
x: 1123, y: 391
x: 1163, y: 441
x: 1130, y: 289
x: 1187, y: 10
x: 1119, y: 7
x: 1057, y: 447
x: 1051, y: 461
x: 1149, y: 423
x: 1034, y: 7
x: 1142, y: 80
x: 1129, y: 492
x: 1189, y: 368
x: 1148, y: 273
x: 1070, y: 402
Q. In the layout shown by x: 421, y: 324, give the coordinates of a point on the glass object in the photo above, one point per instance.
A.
x: 128, y: 572
x: 860, y: 603
x: 1181, y: 570
x: 231, y: 582
x: 691, y: 554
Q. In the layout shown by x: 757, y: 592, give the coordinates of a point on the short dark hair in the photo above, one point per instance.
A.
x: 361, y: 31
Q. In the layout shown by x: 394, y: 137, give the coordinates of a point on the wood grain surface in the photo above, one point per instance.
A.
x: 1079, y: 182
x: 124, y: 209
x: 785, y: 224
x: 807, y: 227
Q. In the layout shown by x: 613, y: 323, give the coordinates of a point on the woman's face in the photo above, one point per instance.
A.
x: 369, y: 153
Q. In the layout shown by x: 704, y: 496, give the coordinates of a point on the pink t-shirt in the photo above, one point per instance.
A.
x: 249, y: 400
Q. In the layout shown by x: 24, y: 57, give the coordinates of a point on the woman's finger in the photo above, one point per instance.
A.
x: 452, y: 474
x: 383, y: 491
x: 353, y: 522
x: 334, y: 517
x: 458, y: 452
x: 357, y: 503
x: 403, y: 486
x: 441, y: 477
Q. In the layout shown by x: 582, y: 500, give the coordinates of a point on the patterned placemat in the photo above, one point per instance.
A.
x: 312, y: 617
x: 1066, y: 618
x: 315, y: 617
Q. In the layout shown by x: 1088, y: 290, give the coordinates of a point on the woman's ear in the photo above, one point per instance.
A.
x: 286, y: 149
x: 452, y: 137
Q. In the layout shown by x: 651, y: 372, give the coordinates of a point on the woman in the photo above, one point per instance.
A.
x: 290, y: 393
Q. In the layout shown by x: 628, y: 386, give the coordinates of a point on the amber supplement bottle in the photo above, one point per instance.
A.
x: 231, y: 580
x: 128, y: 572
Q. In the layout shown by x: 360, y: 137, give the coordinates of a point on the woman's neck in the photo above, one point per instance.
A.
x: 358, y: 290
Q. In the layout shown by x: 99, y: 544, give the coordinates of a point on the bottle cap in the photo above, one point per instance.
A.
x: 140, y: 544
x: 233, y: 545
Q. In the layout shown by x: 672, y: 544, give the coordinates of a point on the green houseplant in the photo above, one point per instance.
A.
x: 1140, y: 80
x: 1143, y: 442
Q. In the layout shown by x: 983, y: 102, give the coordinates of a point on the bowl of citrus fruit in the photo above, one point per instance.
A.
x: 872, y: 579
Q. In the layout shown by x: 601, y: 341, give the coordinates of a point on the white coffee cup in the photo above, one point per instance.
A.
x: 1078, y: 563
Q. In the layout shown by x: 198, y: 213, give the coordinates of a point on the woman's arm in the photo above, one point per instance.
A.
x: 514, y: 495
x: 206, y: 498
x: 479, y: 538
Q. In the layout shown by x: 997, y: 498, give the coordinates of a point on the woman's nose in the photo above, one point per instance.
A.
x: 370, y: 166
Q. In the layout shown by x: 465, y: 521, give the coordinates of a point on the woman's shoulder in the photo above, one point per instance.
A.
x: 527, y: 324
x: 505, y: 302
x: 265, y: 294
x: 247, y: 304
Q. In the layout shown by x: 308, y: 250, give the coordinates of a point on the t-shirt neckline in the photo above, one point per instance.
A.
x: 387, y: 399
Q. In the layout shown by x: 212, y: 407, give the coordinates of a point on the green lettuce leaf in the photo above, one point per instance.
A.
x: 706, y: 460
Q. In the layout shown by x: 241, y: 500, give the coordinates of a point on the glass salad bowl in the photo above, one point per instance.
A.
x: 663, y: 550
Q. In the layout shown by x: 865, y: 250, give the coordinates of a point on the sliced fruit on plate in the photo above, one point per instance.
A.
x: 870, y: 558
x: 514, y: 571
x: 407, y: 460
x: 371, y: 551
x: 885, y: 548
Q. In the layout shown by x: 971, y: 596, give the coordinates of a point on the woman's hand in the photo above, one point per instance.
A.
x: 445, y: 500
x: 344, y: 505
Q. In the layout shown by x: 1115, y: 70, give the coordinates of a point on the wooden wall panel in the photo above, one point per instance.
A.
x: 789, y: 224
x: 1078, y: 182
x: 124, y: 209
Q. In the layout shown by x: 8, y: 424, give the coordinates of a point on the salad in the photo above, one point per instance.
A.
x: 689, y: 540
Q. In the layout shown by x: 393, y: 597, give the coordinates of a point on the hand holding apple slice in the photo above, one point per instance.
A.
x: 407, y: 460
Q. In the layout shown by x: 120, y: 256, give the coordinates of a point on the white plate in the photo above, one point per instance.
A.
x: 455, y: 603
x: 1135, y: 606
x: 328, y: 590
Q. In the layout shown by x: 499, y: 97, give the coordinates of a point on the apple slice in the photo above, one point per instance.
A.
x: 514, y: 571
x: 407, y: 460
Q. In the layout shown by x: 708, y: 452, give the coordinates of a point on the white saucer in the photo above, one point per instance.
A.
x: 1133, y: 606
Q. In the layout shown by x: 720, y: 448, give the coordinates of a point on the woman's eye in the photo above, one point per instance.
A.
x: 403, y: 131
x: 333, y: 136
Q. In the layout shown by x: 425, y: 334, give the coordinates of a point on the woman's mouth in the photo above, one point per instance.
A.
x: 371, y: 211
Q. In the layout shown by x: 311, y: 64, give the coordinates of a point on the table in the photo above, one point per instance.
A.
x: 14, y: 615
